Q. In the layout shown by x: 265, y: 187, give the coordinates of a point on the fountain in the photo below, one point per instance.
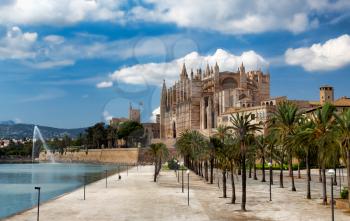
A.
x: 37, y: 135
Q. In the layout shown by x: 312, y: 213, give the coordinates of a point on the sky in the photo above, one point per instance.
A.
x: 72, y: 63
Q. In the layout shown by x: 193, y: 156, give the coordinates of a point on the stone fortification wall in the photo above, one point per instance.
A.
x: 120, y: 155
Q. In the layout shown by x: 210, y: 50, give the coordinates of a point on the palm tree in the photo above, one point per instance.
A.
x: 242, y: 126
x: 285, y: 120
x: 221, y: 134
x: 343, y: 131
x: 306, y: 143
x: 261, y: 144
x: 323, y: 134
x: 158, y: 151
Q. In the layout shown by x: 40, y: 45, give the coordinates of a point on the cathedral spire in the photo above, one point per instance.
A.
x: 183, y: 72
x: 207, y: 70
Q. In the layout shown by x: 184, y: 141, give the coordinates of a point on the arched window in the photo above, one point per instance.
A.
x: 271, y: 103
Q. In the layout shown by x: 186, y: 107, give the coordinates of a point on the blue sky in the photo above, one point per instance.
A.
x: 71, y: 63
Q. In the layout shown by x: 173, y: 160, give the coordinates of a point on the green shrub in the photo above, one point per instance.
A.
x: 172, y: 164
x: 344, y: 194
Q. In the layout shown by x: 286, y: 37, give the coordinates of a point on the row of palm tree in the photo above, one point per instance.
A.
x: 320, y: 138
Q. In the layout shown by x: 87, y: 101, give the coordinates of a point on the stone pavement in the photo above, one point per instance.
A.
x: 136, y: 197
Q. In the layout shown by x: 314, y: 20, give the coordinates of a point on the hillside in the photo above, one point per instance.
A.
x: 18, y: 131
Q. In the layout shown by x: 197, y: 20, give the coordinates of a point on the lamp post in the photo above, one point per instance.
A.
x: 182, y: 176
x: 178, y: 173
x: 106, y: 177
x: 38, y: 188
x: 331, y: 173
x: 188, y: 187
x: 84, y: 185
x: 269, y: 164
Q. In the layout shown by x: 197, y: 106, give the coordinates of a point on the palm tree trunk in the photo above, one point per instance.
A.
x: 319, y: 175
x: 263, y: 169
x: 212, y: 170
x: 250, y: 170
x: 293, y: 184
x: 308, y: 194
x: 233, y: 199
x: 244, y: 180
x: 281, y: 173
x: 206, y: 170
x: 290, y: 165
x: 324, y: 186
x: 348, y: 169
x: 335, y: 176
x: 224, y: 183
x: 254, y: 169
x: 155, y: 171
x: 299, y: 175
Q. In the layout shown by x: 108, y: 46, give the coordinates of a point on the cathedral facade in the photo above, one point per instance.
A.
x: 198, y: 100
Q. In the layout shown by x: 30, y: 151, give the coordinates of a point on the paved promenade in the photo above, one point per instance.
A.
x: 136, y: 197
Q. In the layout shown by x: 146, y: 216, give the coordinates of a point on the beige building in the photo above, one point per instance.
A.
x: 197, y: 101
x: 203, y: 100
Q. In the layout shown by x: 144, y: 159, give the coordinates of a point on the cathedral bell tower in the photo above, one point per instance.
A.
x: 242, y: 77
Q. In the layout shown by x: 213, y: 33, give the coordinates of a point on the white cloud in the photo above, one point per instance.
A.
x: 104, y: 84
x: 226, y: 16
x: 333, y: 54
x: 17, y: 45
x: 107, y: 116
x: 52, y: 64
x: 240, y: 16
x: 154, y: 114
x: 154, y: 73
x: 62, y: 12
x: 55, y: 39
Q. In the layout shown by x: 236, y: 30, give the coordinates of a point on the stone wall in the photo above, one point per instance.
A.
x: 119, y: 155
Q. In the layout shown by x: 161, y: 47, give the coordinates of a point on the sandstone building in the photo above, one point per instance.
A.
x: 203, y: 100
x: 198, y: 99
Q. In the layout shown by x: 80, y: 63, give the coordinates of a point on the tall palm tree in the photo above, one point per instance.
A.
x: 285, y: 120
x: 323, y: 134
x: 306, y: 143
x: 262, y: 145
x: 242, y: 125
x: 158, y: 151
x: 221, y: 134
x: 343, y: 131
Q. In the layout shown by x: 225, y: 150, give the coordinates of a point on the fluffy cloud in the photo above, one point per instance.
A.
x: 62, y: 12
x: 154, y: 73
x: 17, y: 45
x: 240, y: 16
x: 226, y: 16
x: 333, y: 54
x: 154, y: 114
x: 104, y: 84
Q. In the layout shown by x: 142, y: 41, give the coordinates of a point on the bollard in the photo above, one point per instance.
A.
x: 127, y: 170
x: 38, y: 213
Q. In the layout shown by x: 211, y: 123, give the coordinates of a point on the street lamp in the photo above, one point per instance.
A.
x: 182, y: 175
x: 38, y: 188
x: 188, y: 187
x: 270, y: 166
x: 178, y: 173
x: 331, y: 173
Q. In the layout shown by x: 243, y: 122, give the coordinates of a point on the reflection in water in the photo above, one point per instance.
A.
x: 17, y: 182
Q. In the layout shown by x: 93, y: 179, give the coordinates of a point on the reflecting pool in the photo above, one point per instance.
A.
x: 17, y: 182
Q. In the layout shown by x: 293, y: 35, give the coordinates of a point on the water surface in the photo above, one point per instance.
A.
x: 17, y: 182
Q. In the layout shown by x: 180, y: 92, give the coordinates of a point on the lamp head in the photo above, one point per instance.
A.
x: 187, y: 171
x: 269, y: 164
x: 181, y: 163
x: 37, y: 187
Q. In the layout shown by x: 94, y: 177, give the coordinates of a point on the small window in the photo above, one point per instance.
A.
x: 253, y: 116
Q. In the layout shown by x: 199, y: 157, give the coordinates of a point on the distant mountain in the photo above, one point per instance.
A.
x: 7, y: 122
x: 9, y: 129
